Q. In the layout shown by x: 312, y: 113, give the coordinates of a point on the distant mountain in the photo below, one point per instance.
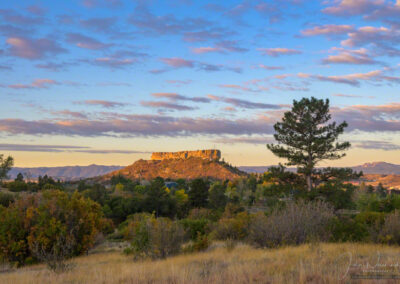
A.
x: 382, y: 168
x: 65, y: 173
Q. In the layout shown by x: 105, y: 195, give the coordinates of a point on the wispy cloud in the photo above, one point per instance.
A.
x: 86, y: 42
x: 36, y: 84
x: 102, y: 103
x: 278, y: 51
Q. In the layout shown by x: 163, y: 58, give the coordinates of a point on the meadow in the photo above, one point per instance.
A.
x: 308, y: 263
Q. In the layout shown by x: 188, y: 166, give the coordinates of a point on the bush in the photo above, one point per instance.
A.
x: 234, y: 228
x: 390, y: 232
x: 295, y: 224
x: 154, y: 237
x: 6, y: 199
x: 32, y: 227
x: 346, y: 229
x: 195, y: 227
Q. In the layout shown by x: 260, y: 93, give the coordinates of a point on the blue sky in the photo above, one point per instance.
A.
x: 109, y: 81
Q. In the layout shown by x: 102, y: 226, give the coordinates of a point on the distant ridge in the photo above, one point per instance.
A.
x: 66, y: 172
x: 78, y: 172
x: 381, y: 168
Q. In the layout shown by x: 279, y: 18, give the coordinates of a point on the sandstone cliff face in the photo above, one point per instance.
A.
x: 190, y: 168
x: 203, y: 154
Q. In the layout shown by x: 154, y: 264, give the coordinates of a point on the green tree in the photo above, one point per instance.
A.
x: 198, y: 193
x: 305, y: 136
x: 5, y: 166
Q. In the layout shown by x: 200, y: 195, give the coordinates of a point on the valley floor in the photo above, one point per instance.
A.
x: 313, y: 263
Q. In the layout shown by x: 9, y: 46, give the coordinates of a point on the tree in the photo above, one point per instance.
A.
x: 308, y: 137
x: 198, y: 193
x: 5, y: 166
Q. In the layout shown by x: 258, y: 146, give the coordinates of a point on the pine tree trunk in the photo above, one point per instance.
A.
x: 309, y: 183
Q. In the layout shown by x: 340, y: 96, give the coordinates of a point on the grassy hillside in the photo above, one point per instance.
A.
x: 318, y: 263
x: 190, y: 168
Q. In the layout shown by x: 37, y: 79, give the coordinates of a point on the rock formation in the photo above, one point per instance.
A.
x: 213, y: 154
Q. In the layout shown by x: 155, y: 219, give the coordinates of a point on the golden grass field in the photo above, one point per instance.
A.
x: 313, y: 263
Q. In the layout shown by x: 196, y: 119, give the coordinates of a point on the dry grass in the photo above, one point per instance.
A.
x: 318, y: 263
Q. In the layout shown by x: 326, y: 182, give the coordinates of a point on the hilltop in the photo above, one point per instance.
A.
x: 189, y: 168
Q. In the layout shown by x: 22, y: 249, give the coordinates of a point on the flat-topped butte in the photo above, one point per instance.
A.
x: 212, y: 154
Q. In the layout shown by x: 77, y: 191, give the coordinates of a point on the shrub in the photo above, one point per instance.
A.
x: 6, y: 199
x: 32, y: 227
x: 154, y: 237
x: 195, y: 227
x: 346, y: 229
x: 295, y: 224
x: 390, y: 232
x: 235, y: 228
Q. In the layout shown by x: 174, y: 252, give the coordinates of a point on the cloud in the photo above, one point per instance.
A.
x: 139, y: 125
x: 56, y: 67
x: 86, y: 42
x: 370, y: 118
x: 179, y: 82
x: 98, y: 3
x: 245, y: 140
x: 352, y: 96
x: 105, y: 104
x: 221, y: 47
x: 38, y: 148
x: 373, y: 118
x: 268, y: 67
x: 275, y: 52
x: 68, y: 113
x: 30, y: 48
x: 36, y: 10
x: 353, y: 7
x: 63, y: 148
x: 36, y: 84
x: 177, y: 97
x: 166, y: 105
x: 99, y: 24
x: 244, y: 103
x: 327, y: 30
x: 354, y: 79
x: 358, y: 56
x: 176, y: 63
x: 238, y: 87
x: 377, y: 145
x: 10, y: 16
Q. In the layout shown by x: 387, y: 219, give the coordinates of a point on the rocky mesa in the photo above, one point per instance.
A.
x: 212, y: 154
x: 185, y: 164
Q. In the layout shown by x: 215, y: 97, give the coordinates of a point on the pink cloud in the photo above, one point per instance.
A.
x: 86, y: 42
x: 36, y: 84
x: 359, y: 56
x: 102, y: 103
x: 327, y: 30
x: 178, y: 62
x: 353, y: 7
x: 201, y: 50
x: 355, y: 78
x: 278, y: 51
x: 268, y: 67
x: 166, y: 105
x: 33, y: 48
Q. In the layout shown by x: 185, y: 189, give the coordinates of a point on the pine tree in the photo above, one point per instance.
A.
x: 305, y: 137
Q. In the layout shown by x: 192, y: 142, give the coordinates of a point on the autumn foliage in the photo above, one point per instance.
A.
x: 33, y: 226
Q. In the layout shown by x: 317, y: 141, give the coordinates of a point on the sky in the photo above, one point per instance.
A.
x: 110, y: 81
